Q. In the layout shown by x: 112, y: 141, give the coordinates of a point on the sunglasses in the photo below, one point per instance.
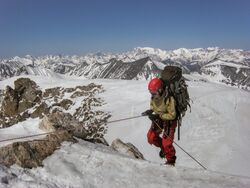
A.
x: 154, y: 93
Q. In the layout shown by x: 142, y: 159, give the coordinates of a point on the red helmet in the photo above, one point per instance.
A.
x: 155, y: 85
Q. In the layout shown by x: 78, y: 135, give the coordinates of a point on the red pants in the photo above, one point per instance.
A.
x: 166, y: 142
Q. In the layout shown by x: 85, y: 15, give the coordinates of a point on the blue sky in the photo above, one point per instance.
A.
x: 39, y: 27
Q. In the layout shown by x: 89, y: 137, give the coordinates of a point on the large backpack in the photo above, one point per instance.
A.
x: 176, y: 86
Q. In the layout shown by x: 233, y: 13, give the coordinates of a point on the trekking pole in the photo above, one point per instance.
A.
x: 180, y: 147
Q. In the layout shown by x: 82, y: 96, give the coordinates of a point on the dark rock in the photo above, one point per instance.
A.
x: 66, y: 121
x: 79, y: 94
x: 10, y: 102
x: 23, y: 83
x: 40, y: 111
x: 52, y: 92
x: 1, y: 95
x: 31, y: 154
x: 28, y: 93
x: 69, y: 90
x: 16, y: 102
x: 97, y: 140
x: 60, y: 120
x: 89, y: 87
x: 24, y: 105
x: 127, y: 149
x: 65, y: 103
x: 47, y: 125
x: 24, y: 96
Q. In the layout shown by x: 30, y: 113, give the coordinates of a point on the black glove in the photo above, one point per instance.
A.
x: 153, y: 117
x: 147, y: 113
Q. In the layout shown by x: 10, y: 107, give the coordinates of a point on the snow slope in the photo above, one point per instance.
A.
x: 25, y: 128
x: 90, y: 165
x: 216, y: 133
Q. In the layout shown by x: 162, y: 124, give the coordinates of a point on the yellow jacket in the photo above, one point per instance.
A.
x: 165, y: 108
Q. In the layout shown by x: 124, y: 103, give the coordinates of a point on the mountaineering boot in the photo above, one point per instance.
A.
x: 171, y: 162
x: 162, y: 154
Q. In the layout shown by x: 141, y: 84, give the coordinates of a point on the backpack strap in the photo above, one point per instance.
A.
x: 167, y: 96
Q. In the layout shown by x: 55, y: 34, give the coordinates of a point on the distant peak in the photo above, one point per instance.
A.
x: 144, y: 48
x: 213, y: 48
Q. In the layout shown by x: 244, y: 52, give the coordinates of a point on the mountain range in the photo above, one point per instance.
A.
x: 230, y: 66
x: 216, y: 133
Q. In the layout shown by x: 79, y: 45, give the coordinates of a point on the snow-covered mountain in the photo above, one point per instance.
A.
x: 231, y: 66
x: 216, y: 133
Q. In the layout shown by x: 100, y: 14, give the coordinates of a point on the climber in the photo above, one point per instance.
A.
x: 162, y: 113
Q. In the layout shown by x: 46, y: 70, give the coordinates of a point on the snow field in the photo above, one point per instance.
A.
x: 216, y: 133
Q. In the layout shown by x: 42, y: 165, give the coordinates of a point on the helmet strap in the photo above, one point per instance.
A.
x: 161, y: 92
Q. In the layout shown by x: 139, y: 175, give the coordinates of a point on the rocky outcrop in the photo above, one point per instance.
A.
x: 60, y: 120
x: 66, y: 112
x: 24, y: 96
x: 61, y: 127
x: 127, y: 149
x: 16, y: 102
x: 27, y: 101
x: 40, y: 110
x: 32, y: 153
x: 28, y: 93
x: 10, y: 102
x: 47, y: 125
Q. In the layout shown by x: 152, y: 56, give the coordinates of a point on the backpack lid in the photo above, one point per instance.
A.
x: 171, y: 73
